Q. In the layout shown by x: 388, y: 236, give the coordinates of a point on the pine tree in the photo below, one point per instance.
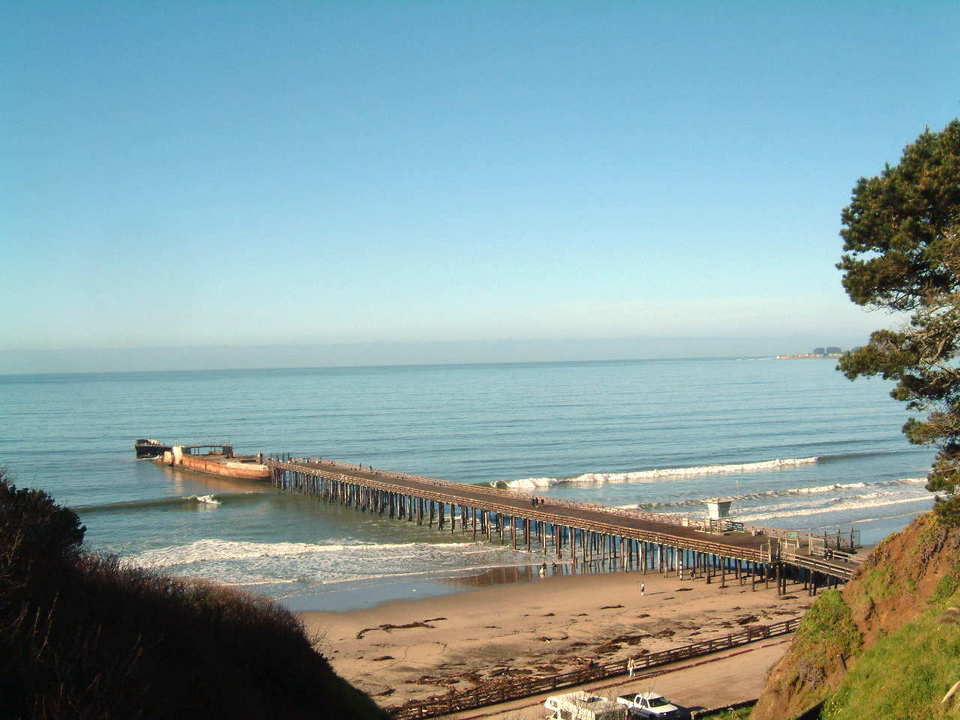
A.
x: 901, y: 236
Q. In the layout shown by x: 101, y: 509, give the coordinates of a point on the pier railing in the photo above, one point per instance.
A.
x: 841, y: 570
x: 793, y: 537
x: 492, y: 693
x: 381, y: 480
x: 771, y: 545
x: 666, y: 518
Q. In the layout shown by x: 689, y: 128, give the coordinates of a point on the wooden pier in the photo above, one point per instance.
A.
x: 580, y: 533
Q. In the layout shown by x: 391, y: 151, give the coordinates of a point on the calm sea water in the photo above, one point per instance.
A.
x: 580, y: 430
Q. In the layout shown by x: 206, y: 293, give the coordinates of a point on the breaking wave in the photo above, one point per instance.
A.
x: 641, y: 476
x: 215, y: 550
x: 314, y: 564
x: 854, y: 499
x: 836, y: 505
x: 782, y: 492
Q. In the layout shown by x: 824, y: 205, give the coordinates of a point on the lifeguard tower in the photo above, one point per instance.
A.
x: 718, y: 513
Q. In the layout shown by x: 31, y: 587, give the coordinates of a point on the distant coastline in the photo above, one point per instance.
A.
x: 809, y: 356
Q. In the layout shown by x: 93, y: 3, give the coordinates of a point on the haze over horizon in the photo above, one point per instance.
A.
x: 83, y: 360
x: 388, y: 183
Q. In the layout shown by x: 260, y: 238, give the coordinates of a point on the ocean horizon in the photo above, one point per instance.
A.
x: 400, y: 364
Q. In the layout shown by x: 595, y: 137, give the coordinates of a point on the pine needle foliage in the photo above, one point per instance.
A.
x: 901, y: 236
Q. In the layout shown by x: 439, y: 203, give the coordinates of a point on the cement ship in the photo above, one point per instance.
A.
x: 209, y: 459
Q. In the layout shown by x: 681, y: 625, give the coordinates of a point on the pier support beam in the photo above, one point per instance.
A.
x: 602, y: 546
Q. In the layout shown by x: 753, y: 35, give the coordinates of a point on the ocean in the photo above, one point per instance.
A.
x: 792, y: 441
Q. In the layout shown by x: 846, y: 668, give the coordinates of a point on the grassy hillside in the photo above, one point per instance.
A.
x: 887, y: 645
x: 903, y: 675
x: 83, y: 637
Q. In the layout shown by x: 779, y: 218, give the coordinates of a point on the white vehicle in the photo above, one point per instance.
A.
x: 581, y: 705
x: 649, y: 705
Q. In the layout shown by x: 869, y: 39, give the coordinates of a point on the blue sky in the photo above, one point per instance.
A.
x: 214, y: 175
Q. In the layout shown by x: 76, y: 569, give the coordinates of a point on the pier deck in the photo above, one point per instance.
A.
x: 632, y: 538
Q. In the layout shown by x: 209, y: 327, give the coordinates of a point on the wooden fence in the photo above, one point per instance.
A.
x: 515, y: 688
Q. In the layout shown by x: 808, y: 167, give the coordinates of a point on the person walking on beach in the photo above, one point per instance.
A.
x: 643, y: 589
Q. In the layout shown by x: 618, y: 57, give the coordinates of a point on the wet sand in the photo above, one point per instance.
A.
x: 407, y: 649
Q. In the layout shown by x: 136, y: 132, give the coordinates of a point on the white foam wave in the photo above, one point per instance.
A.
x: 655, y: 475
x: 212, y: 549
x: 785, y: 511
x: 205, y: 499
x: 812, y: 502
x: 414, y: 573
x: 302, y: 565
x: 262, y: 581
x: 828, y: 488
x: 780, y: 492
x: 215, y: 550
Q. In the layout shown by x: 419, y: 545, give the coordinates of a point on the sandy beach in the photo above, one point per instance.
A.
x: 408, y: 649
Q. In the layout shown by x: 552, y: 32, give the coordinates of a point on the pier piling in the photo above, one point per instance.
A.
x: 607, y: 537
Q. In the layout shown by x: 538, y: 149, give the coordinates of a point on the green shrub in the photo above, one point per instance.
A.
x: 83, y: 637
x: 828, y: 628
x: 948, y: 586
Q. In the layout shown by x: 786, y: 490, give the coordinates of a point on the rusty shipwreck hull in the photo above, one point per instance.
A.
x: 217, y: 460
x: 236, y: 467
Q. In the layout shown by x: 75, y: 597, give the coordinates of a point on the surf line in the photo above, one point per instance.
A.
x: 661, y: 473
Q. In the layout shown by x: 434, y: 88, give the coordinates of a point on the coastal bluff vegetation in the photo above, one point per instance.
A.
x: 885, y: 646
x: 82, y: 636
x: 888, y: 644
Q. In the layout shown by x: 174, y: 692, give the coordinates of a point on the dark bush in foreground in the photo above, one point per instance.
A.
x: 83, y: 637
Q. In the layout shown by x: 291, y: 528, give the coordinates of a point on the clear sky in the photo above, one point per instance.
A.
x: 459, y: 175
